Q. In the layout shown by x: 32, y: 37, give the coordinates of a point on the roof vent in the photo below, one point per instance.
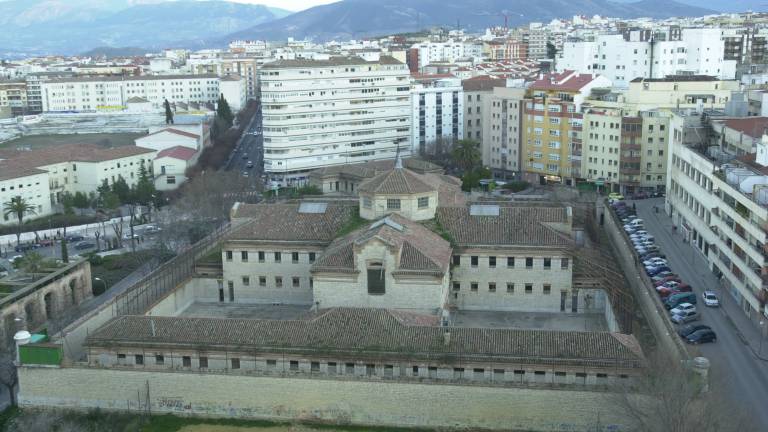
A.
x: 483, y: 210
x: 313, y: 208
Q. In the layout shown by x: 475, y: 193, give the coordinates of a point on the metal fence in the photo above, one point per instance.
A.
x: 162, y: 280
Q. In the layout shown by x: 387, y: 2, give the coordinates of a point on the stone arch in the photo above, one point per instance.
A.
x: 30, y: 311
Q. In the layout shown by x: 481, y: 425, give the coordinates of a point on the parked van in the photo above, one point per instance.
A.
x: 636, y: 223
x: 675, y: 299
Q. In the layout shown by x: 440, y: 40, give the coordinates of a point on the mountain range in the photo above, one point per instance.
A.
x: 356, y: 18
x: 75, y: 26
x: 32, y: 27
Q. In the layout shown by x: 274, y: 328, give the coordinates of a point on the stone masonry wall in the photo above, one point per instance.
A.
x: 357, y: 402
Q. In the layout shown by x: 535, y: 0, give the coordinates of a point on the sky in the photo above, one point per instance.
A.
x: 291, y: 5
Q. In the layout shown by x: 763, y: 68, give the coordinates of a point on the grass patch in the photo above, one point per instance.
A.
x: 352, y: 224
x: 114, y: 268
x: 172, y: 423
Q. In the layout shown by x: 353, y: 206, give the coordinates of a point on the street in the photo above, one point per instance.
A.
x: 734, y: 357
x: 250, y: 148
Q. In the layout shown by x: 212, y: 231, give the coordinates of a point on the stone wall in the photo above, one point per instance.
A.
x: 642, y: 288
x: 356, y: 402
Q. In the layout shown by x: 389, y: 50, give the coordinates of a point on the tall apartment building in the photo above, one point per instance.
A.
x: 502, y: 127
x: 245, y: 67
x: 649, y: 54
x: 13, y: 94
x: 437, y: 112
x: 476, y: 90
x: 320, y: 113
x: 552, y: 124
x: 448, y: 51
x: 719, y: 202
x: 625, y: 152
x: 536, y: 43
x: 746, y: 45
x: 94, y: 93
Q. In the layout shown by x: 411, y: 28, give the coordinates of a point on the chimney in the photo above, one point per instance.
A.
x: 447, y: 338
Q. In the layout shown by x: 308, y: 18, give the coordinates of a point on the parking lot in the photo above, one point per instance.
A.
x: 737, y: 363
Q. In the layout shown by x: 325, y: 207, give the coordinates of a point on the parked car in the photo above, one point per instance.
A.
x: 652, y: 248
x: 658, y: 281
x: 682, y: 307
x: 152, y: 229
x: 654, y: 270
x: 615, y: 196
x: 640, y: 195
x: 690, y: 328
x: 665, y: 292
x: 75, y: 238
x: 85, y: 245
x: 24, y: 247
x: 701, y: 336
x: 657, y: 195
x: 655, y: 261
x: 650, y: 255
x: 686, y: 317
x: 710, y: 299
x: 127, y: 236
x: 677, y: 299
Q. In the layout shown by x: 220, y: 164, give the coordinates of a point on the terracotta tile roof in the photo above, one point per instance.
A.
x: 395, y: 182
x: 284, y: 222
x: 178, y: 152
x: 355, y: 331
x: 173, y: 131
x: 10, y: 170
x: 567, y: 81
x: 514, y: 226
x: 417, y: 249
x: 752, y: 126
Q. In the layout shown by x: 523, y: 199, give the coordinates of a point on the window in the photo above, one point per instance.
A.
x: 547, y: 289
x: 271, y: 364
x: 311, y: 257
x: 261, y: 256
x: 415, y: 371
x: 262, y: 281
x: 492, y: 261
x: 186, y: 361
x: 295, y: 282
x: 529, y: 263
x: 547, y: 263
x: 293, y: 365
x: 423, y: 202
x: 457, y: 286
x: 458, y: 373
x: 229, y: 255
x: 393, y: 204
x: 246, y: 280
x: 159, y: 359
x: 349, y: 369
x: 278, y: 257
x: 139, y: 359
x: 492, y: 287
x: 510, y: 287
x: 314, y: 366
x: 278, y: 282
x: 203, y: 362
x: 528, y: 288
x: 376, y: 281
x: 294, y: 257
x: 168, y: 179
x: 244, y: 256
x: 564, y: 263
x: 235, y: 363
x: 367, y: 202
x: 457, y: 260
x: 473, y: 286
x: 331, y: 369
x: 511, y: 262
x: 473, y: 261
x: 370, y: 369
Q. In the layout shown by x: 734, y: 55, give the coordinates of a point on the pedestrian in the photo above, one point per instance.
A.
x: 634, y: 208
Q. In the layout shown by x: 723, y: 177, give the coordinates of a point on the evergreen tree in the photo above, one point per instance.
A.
x: 122, y: 190
x: 145, y: 187
x: 224, y: 112
x: 168, y: 112
x: 64, y: 250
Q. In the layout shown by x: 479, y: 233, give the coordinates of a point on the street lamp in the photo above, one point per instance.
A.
x: 102, y: 281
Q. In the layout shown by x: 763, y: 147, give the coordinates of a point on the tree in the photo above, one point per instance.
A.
x: 32, y: 263
x: 145, y: 192
x: 81, y: 201
x: 64, y: 249
x: 168, y: 112
x: 18, y: 207
x: 466, y: 155
x: 224, y: 112
x: 670, y: 397
x: 121, y: 189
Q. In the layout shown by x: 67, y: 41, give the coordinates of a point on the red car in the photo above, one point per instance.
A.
x: 665, y: 292
x: 46, y: 242
x: 666, y: 279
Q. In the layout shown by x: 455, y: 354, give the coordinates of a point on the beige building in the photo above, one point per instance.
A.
x: 677, y: 92
x: 502, y: 127
x: 13, y: 95
x: 475, y: 91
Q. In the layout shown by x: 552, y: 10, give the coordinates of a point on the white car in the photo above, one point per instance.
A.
x: 682, y: 307
x: 655, y: 262
x: 710, y: 299
x: 127, y: 236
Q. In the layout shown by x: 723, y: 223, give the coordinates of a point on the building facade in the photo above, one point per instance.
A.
x: 320, y: 113
x: 437, y: 112
x: 502, y: 130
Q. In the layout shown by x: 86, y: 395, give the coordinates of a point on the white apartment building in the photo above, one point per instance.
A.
x: 502, y: 128
x: 319, y: 113
x: 112, y: 93
x: 437, y: 112
x: 449, y: 51
x: 639, y: 54
x: 720, y: 204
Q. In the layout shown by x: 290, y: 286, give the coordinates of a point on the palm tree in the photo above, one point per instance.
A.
x: 18, y: 207
x: 466, y: 155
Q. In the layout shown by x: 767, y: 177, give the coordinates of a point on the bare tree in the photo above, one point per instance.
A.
x: 670, y: 397
x: 117, y: 227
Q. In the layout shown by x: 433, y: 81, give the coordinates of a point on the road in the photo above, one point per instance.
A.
x: 250, y: 148
x: 734, y: 357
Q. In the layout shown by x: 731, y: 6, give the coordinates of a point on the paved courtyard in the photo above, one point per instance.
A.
x: 531, y: 320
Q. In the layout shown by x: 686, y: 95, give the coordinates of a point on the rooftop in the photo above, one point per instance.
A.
x: 178, y: 152
x: 677, y: 78
x: 352, y: 331
x: 333, y: 61
x: 566, y: 81
x: 284, y: 222
x: 398, y: 181
x: 755, y: 127
x: 130, y: 78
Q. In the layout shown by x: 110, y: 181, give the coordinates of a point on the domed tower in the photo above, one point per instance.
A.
x: 398, y: 191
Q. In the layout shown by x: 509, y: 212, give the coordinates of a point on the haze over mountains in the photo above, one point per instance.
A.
x: 76, y: 26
